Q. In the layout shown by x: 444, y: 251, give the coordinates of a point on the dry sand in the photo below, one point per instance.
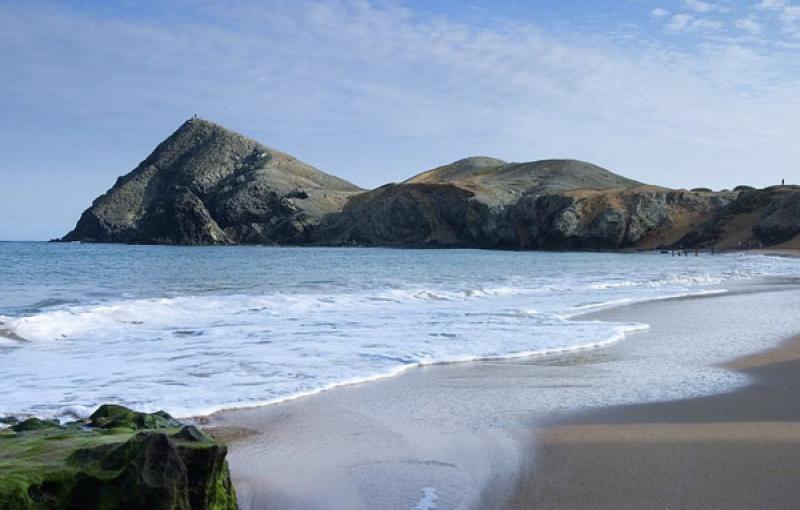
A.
x: 730, y: 451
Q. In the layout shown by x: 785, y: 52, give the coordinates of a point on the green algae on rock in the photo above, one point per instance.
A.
x: 117, y: 459
x: 109, y: 416
x: 34, y: 424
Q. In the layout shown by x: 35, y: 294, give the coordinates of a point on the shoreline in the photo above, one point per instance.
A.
x: 775, y: 251
x: 575, y: 315
x: 462, y: 430
x: 738, y: 449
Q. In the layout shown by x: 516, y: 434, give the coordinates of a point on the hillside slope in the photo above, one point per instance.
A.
x: 208, y: 185
x: 497, y: 182
x: 488, y: 203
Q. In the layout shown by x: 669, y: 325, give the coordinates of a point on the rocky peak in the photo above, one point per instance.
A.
x: 205, y: 184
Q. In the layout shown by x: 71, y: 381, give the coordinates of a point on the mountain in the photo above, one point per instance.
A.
x: 488, y: 203
x: 208, y: 185
x: 205, y: 184
x: 497, y: 182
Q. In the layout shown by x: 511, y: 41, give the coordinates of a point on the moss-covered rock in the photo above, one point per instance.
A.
x: 35, y: 424
x: 111, y: 416
x: 119, y: 459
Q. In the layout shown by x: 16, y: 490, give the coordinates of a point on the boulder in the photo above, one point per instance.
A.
x: 119, y: 458
x: 109, y: 416
x: 34, y: 424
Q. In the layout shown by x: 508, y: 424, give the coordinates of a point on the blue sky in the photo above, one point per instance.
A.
x: 679, y: 93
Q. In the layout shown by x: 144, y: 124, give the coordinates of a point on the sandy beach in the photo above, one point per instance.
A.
x: 538, y: 432
x: 735, y: 450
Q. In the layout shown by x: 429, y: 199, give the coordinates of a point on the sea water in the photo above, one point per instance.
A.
x: 195, y: 329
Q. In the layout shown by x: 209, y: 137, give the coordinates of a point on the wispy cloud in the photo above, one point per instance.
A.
x: 749, y: 24
x: 682, y: 22
x: 700, y: 6
x: 787, y: 13
x: 772, y: 4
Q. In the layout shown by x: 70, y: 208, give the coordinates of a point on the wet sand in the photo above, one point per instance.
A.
x: 735, y: 450
x: 512, y: 433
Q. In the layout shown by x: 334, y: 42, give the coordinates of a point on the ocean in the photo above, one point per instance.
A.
x: 192, y: 330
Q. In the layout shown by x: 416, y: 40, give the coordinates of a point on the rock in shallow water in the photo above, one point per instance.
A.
x: 118, y: 459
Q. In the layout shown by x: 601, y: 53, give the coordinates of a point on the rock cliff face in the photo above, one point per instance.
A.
x: 484, y: 202
x: 208, y: 185
x: 117, y: 459
x: 755, y: 219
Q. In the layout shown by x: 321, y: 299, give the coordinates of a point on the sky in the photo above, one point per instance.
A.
x: 679, y: 93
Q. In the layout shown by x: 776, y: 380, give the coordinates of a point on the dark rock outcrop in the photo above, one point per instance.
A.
x: 117, y: 459
x: 634, y: 217
x: 407, y: 215
x: 208, y: 185
x: 755, y: 219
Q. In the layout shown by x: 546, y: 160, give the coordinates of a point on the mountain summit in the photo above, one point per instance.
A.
x: 206, y: 184
x: 498, y: 182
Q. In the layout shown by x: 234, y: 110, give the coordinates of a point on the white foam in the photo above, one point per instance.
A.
x: 579, y: 310
x: 428, y: 501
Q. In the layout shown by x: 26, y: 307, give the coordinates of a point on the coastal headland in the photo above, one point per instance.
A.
x: 205, y: 184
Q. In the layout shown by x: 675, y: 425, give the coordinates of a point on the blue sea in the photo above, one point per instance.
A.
x: 196, y: 329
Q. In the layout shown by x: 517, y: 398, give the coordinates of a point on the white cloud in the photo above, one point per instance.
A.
x: 705, y: 24
x: 700, y: 6
x: 680, y: 22
x: 687, y: 22
x: 771, y: 4
x: 791, y: 14
x: 749, y: 24
x: 788, y: 15
x: 659, y: 12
